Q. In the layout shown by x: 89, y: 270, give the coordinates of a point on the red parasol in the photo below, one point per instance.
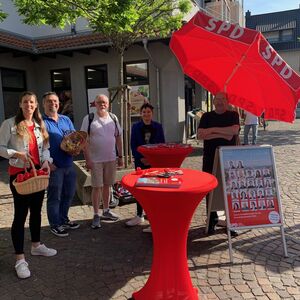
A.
x: 222, y: 56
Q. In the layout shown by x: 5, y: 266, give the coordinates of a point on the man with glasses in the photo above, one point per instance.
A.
x: 62, y: 181
x: 105, y: 135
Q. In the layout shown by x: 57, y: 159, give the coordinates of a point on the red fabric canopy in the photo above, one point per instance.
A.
x: 224, y: 57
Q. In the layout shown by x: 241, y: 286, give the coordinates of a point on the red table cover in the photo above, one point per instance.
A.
x: 165, y: 155
x: 170, y: 211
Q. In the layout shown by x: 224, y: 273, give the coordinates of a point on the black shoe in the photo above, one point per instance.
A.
x: 233, y: 233
x: 70, y: 225
x: 59, y: 231
x: 212, y: 225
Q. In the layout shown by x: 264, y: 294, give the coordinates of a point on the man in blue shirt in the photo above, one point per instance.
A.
x: 61, y: 189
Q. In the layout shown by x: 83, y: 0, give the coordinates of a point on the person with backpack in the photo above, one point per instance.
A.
x: 104, y: 146
x: 146, y: 131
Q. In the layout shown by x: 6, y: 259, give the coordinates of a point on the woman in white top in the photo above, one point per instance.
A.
x: 251, y: 121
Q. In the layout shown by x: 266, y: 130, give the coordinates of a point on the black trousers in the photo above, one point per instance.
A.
x: 23, y: 204
x: 139, y: 208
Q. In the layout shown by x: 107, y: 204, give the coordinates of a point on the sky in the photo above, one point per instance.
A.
x: 262, y: 6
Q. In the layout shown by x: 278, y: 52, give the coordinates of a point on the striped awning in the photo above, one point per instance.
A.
x: 276, y: 26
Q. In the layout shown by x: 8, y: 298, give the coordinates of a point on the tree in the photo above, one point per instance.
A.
x: 121, y: 22
x: 3, y: 15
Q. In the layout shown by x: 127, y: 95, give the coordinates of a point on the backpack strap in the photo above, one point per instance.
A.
x: 91, y: 118
x: 114, y: 118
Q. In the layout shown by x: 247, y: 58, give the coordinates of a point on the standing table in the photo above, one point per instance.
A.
x: 170, y: 211
x: 165, y: 155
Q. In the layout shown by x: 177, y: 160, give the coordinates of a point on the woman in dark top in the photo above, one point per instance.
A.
x: 146, y: 131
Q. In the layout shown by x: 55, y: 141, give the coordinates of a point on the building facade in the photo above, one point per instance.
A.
x: 78, y: 64
x: 282, y: 30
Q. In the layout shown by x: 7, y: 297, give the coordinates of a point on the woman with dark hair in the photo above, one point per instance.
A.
x: 146, y: 131
x: 22, y: 137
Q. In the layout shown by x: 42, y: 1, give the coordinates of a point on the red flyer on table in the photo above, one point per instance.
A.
x: 160, y: 182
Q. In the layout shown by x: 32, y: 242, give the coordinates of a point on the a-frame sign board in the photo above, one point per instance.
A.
x: 248, y: 189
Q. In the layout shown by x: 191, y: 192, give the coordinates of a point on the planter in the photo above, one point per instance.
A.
x: 83, y: 182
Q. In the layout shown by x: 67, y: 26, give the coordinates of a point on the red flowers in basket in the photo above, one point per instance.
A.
x: 28, y: 175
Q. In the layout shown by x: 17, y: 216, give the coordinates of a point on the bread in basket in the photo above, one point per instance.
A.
x: 31, y: 184
x: 74, y: 142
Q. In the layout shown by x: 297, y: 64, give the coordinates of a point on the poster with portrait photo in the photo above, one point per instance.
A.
x: 261, y: 204
x: 253, y: 205
x: 245, y: 205
x: 259, y: 183
x: 240, y: 173
x: 243, y: 194
x: 258, y: 167
x: 234, y: 195
x: 260, y: 194
x: 242, y: 184
x: 236, y: 205
x: 267, y: 182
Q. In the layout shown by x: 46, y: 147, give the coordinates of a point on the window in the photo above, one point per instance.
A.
x: 13, y: 84
x: 61, y: 85
x: 272, y: 36
x: 136, y: 73
x: 287, y: 35
x: 61, y: 80
x: 96, y: 77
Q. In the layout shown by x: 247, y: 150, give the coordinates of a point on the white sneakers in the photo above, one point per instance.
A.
x: 135, y: 221
x: 22, y: 269
x: 22, y: 265
x: 43, y: 251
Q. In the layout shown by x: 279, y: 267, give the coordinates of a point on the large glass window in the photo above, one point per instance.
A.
x: 287, y: 35
x: 13, y: 84
x: 96, y: 77
x: 61, y: 85
x: 272, y: 36
x: 136, y: 73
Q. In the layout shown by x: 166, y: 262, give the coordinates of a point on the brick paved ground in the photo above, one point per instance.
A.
x: 114, y: 261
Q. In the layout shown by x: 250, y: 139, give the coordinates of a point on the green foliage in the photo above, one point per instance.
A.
x: 120, y: 21
x: 3, y: 15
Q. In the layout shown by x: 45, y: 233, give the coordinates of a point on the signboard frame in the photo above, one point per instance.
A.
x: 257, y: 204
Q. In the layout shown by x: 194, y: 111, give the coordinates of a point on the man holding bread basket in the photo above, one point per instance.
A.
x: 62, y: 182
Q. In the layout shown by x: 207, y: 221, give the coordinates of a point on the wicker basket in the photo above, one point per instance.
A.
x: 33, y: 184
x: 74, y: 142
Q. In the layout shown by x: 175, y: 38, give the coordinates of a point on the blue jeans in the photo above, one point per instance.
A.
x: 61, y: 191
x: 254, y: 133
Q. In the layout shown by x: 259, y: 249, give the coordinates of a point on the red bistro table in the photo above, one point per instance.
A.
x: 170, y: 211
x: 165, y: 155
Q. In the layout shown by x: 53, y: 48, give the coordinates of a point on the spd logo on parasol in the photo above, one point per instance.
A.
x: 278, y: 64
x: 232, y: 31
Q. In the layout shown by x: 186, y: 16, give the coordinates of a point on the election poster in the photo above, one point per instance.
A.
x: 247, y: 190
x: 250, y: 183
